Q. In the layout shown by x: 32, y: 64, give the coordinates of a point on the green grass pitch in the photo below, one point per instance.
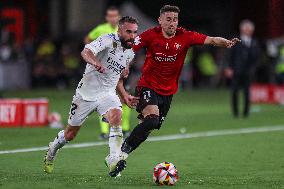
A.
x: 254, y: 160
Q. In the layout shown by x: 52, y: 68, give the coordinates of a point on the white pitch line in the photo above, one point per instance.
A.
x: 164, y: 138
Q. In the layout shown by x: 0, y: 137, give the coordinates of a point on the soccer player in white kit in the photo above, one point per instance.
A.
x: 107, y: 58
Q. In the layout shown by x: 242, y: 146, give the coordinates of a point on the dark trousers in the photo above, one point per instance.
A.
x: 240, y: 83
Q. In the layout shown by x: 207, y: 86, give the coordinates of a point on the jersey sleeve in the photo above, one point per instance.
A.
x: 142, y: 40
x: 99, y: 44
x: 195, y: 38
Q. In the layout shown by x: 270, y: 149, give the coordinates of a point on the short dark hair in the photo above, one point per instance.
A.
x: 112, y: 8
x: 128, y: 19
x: 169, y: 8
x: 246, y: 21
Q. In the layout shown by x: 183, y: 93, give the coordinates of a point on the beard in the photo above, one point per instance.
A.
x: 171, y: 32
x: 125, y: 44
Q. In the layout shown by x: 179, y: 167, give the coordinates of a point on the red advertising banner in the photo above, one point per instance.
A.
x: 35, y: 112
x: 278, y: 94
x: 10, y: 112
x: 23, y: 112
x: 273, y: 94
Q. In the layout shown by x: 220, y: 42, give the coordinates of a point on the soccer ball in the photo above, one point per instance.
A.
x: 54, y: 117
x: 165, y: 174
x: 54, y: 120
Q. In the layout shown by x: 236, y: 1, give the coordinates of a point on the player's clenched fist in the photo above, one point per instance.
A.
x: 99, y: 67
x: 131, y: 101
x: 232, y: 42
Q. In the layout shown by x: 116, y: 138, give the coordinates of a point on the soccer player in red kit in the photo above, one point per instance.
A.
x: 166, y: 47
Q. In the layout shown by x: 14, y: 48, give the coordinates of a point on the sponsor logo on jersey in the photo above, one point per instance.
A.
x: 161, y: 57
x: 115, y: 66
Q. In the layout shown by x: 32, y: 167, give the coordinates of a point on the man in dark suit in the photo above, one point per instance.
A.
x: 243, y: 60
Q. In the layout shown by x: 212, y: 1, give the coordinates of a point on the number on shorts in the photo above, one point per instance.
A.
x: 147, y: 95
x: 73, y: 108
x: 80, y: 85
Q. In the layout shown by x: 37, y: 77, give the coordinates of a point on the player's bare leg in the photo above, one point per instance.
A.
x: 62, y: 138
x: 115, y: 142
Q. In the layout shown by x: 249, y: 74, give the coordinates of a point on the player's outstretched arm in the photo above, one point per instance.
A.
x: 129, y: 100
x: 221, y: 42
x: 90, y: 58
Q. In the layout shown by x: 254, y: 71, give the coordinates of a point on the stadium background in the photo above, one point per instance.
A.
x: 40, y: 58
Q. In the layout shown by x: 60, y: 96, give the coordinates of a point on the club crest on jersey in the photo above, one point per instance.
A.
x: 114, y: 45
x: 137, y: 40
x: 177, y: 46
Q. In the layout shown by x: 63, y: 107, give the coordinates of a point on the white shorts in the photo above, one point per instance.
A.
x: 81, y: 109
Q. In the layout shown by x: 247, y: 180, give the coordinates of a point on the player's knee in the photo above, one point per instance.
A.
x: 150, y: 110
x: 115, y: 118
x: 152, y: 122
x: 115, y: 121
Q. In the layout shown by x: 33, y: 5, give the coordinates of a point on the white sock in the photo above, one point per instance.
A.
x: 58, y: 142
x: 124, y: 155
x: 115, y: 141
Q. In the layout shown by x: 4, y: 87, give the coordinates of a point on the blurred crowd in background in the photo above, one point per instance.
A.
x: 56, y: 62
x: 52, y: 63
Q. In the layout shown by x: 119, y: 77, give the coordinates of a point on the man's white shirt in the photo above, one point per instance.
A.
x: 114, y: 58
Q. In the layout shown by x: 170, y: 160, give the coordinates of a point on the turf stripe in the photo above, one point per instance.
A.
x: 164, y: 138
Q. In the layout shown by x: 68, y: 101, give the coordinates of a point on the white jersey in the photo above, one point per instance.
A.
x: 114, y: 58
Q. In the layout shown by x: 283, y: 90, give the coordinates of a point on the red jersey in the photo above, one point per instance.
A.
x: 164, y: 57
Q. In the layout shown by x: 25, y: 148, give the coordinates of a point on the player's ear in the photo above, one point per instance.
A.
x: 159, y: 19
